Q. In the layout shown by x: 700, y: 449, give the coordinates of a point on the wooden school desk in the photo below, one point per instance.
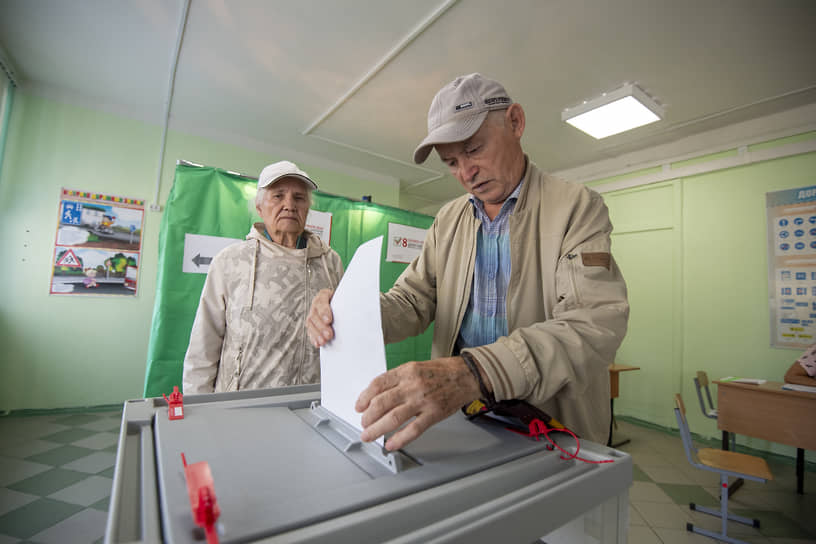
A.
x: 614, y: 390
x: 771, y: 413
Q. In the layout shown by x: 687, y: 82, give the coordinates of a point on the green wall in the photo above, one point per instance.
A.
x: 694, y: 254
x: 63, y: 351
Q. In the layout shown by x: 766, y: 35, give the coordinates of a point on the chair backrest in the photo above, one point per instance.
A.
x: 685, y: 433
x: 701, y: 385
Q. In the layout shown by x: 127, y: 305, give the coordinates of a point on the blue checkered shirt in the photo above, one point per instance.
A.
x: 486, y: 315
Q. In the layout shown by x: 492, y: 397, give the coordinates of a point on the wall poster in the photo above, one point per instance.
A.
x: 98, y: 244
x: 404, y: 243
x: 792, y: 266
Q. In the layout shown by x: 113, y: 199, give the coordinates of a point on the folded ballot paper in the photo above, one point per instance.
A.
x: 356, y: 355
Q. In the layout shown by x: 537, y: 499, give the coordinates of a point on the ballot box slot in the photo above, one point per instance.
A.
x: 369, y: 456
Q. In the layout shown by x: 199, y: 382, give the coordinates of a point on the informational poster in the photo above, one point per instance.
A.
x: 404, y: 243
x: 792, y: 266
x: 98, y: 244
x: 320, y: 223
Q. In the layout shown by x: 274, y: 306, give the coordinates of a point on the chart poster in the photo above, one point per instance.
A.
x: 792, y: 266
x: 98, y: 244
x: 404, y: 243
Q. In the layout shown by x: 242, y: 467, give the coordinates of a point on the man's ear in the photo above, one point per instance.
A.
x: 515, y: 119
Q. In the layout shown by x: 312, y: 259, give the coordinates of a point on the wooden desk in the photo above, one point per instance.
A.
x: 614, y: 391
x: 771, y: 413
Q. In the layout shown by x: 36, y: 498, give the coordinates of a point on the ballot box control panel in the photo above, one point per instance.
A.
x: 281, y: 468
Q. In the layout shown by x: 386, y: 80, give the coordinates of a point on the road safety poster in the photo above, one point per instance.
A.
x: 792, y: 266
x: 98, y: 244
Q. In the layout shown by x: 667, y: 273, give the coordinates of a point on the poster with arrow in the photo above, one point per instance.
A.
x: 200, y: 249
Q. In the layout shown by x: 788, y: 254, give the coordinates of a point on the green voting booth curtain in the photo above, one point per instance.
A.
x: 213, y: 202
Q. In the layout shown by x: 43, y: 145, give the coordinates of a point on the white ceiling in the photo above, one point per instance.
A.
x: 347, y: 83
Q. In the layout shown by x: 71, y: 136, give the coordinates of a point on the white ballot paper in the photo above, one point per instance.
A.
x: 356, y: 355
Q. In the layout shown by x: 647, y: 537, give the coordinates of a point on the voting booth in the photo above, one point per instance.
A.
x: 283, y: 469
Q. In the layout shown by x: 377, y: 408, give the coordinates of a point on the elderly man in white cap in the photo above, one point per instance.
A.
x: 517, y: 277
x: 249, y: 330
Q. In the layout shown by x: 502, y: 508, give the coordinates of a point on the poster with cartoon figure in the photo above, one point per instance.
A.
x: 98, y: 244
x: 792, y: 266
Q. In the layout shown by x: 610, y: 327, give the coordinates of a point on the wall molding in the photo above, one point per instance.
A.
x: 743, y: 157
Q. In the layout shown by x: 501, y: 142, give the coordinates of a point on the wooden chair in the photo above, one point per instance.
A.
x: 725, y: 463
x: 701, y: 386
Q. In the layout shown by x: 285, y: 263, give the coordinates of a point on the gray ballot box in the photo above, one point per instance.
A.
x: 286, y: 470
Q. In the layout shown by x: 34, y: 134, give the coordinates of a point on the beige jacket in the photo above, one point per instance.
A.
x: 567, y: 306
x: 249, y: 331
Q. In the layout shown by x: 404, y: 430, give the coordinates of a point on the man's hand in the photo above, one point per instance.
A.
x: 430, y: 390
x: 320, y: 319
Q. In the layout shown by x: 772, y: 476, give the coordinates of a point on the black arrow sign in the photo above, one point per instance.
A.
x: 199, y: 260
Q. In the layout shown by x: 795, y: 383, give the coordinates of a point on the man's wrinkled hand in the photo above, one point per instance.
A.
x: 428, y: 391
x: 320, y: 319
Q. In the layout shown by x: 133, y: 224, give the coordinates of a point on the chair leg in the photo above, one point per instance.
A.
x: 736, y: 484
x: 724, y: 516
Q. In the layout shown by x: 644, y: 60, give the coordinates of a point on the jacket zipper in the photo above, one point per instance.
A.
x: 238, y: 367
x: 303, y: 331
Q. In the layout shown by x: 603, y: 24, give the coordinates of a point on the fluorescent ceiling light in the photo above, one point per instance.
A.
x: 618, y: 111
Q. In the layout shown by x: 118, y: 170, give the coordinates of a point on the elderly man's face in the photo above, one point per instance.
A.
x: 283, y: 208
x: 490, y: 163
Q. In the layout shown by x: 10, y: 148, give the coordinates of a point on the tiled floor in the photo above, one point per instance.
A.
x: 56, y: 470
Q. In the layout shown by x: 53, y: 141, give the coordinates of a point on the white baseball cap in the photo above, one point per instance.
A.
x: 459, y: 109
x: 283, y: 169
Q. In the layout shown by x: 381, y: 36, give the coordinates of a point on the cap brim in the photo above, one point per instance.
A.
x: 309, y: 183
x: 458, y: 130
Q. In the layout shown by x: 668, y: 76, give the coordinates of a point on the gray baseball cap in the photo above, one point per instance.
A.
x: 459, y: 109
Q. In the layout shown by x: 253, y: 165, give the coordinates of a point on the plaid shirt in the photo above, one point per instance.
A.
x: 486, y: 316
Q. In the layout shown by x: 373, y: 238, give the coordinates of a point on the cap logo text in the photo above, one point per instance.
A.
x: 463, y: 106
x: 497, y: 100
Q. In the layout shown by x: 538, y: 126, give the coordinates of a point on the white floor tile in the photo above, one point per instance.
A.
x: 82, y: 528
x: 26, y: 448
x: 93, y: 463
x: 642, y: 535
x: 14, y: 470
x: 103, y: 425
x: 85, y: 492
x: 11, y: 500
x: 98, y: 441
x: 647, y: 492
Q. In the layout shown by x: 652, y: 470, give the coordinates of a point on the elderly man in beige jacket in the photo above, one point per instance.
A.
x: 517, y: 277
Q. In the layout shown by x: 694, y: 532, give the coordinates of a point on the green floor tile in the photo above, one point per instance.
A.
x: 77, y: 419
x: 684, y: 494
x: 68, y: 436
x: 34, y: 517
x: 107, y: 473
x: 101, y: 505
x: 48, y: 482
x: 638, y: 475
x: 60, y: 456
x: 112, y: 448
x: 776, y: 524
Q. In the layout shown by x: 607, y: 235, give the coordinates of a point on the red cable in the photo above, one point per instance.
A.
x: 537, y: 428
